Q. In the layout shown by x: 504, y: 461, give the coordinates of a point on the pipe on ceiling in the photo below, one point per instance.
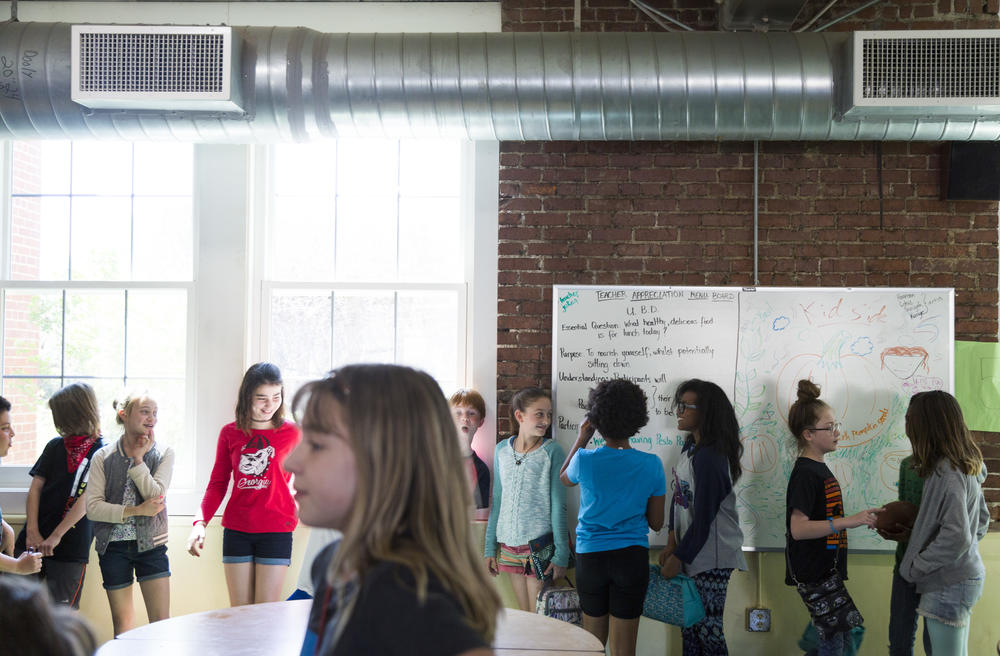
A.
x: 300, y: 84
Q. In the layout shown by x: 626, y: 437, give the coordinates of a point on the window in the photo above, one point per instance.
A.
x: 96, y: 283
x: 365, y: 257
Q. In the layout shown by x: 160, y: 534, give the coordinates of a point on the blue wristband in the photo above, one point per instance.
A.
x: 830, y: 519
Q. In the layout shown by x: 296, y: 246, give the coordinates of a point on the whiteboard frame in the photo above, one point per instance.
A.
x: 559, y: 290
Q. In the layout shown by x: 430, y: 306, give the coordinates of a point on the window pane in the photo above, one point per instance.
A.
x: 363, y: 327
x: 102, y: 167
x: 32, y: 339
x: 39, y: 238
x: 107, y: 390
x: 366, y: 238
x: 157, y: 325
x: 163, y: 169
x: 430, y: 240
x: 303, y: 239
x: 100, y: 239
x: 305, y: 169
x: 162, y: 239
x: 429, y: 168
x: 95, y: 333
x: 30, y: 417
x: 367, y: 167
x: 170, y: 411
x: 428, y: 334
x: 40, y: 167
x: 300, y: 333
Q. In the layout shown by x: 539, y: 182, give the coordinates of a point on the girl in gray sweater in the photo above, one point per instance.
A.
x: 942, y: 558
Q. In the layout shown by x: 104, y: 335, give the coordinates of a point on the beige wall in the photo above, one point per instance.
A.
x: 198, y: 584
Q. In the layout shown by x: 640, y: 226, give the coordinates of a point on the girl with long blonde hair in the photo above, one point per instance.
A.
x: 942, y: 557
x: 379, y: 461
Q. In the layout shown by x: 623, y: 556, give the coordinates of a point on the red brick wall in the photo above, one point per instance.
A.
x: 680, y: 213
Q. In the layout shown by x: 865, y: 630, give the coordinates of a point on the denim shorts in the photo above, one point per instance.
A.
x: 952, y: 604
x: 259, y: 548
x: 122, y: 558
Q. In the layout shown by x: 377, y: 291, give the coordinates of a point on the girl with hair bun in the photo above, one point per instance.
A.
x: 814, y: 506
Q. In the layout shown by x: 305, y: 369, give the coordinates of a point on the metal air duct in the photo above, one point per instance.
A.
x: 298, y: 84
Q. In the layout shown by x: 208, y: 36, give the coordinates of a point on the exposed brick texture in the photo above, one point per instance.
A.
x: 681, y: 213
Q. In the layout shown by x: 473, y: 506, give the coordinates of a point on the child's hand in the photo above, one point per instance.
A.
x: 32, y: 538
x: 150, y: 507
x: 899, y: 533
x: 49, y: 544
x: 556, y: 571
x: 30, y: 562
x: 671, y: 567
x: 196, y: 539
x: 491, y: 565
x: 587, y: 431
x: 864, y: 518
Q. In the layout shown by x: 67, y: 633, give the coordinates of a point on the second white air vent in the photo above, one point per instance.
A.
x: 156, y: 67
x: 947, y: 73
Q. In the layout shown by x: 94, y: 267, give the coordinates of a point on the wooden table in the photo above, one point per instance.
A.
x: 277, y: 629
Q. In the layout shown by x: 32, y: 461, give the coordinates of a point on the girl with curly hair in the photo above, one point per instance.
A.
x: 622, y: 497
x: 705, y: 541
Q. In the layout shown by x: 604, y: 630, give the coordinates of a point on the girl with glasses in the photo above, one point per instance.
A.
x: 705, y: 541
x: 814, y: 506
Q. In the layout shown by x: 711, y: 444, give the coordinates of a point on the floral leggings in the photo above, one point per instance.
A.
x: 706, y: 637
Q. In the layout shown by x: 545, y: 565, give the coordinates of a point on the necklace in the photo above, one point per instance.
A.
x: 518, y: 461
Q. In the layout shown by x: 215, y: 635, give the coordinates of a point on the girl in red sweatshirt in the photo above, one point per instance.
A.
x: 260, y: 516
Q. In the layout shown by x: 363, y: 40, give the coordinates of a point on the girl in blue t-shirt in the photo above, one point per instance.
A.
x: 705, y: 541
x: 622, y: 496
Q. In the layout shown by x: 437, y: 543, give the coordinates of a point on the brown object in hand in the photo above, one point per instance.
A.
x: 896, y: 512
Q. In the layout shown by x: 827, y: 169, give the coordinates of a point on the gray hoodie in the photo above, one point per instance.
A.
x: 953, y: 518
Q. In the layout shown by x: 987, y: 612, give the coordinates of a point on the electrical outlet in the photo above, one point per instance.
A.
x: 758, y: 619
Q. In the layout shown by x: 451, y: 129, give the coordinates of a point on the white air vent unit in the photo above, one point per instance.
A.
x: 156, y: 67
x: 923, y: 73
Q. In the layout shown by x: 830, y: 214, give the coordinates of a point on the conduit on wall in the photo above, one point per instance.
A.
x: 300, y: 84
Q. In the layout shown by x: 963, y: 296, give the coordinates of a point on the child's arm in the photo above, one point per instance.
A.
x: 153, y: 485
x: 218, y: 483
x: 803, y: 528
x: 30, y: 562
x: 33, y: 537
x: 100, y: 510
x: 491, y: 544
x: 6, y: 538
x: 557, y: 505
x: 582, y: 439
x: 75, y: 514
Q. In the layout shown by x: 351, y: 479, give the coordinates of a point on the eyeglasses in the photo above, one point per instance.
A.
x: 835, y: 427
x: 681, y: 406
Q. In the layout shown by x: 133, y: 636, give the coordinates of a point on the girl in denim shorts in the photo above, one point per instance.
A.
x: 942, y: 557
x: 125, y: 503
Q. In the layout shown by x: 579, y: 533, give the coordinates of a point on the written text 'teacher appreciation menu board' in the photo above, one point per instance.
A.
x: 868, y: 349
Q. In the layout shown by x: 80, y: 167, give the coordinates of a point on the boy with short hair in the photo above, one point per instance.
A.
x: 468, y: 409
x: 28, y: 562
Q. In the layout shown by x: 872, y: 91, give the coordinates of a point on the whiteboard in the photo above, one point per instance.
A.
x: 868, y: 349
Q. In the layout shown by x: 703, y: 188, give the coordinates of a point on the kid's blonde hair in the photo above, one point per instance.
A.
x: 937, y: 431
x: 412, y: 501
x: 123, y: 405
x: 74, y: 411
